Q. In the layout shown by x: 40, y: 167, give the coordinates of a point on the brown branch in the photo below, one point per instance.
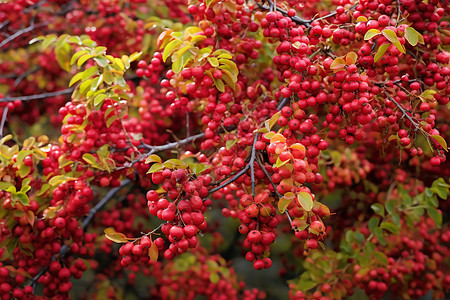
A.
x: 38, y: 96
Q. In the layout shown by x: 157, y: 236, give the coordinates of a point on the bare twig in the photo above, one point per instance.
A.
x: 23, y: 31
x: 38, y: 96
x: 296, y: 19
x: 2, y: 125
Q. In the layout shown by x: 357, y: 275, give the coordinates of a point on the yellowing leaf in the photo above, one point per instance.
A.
x: 381, y: 50
x: 213, y: 61
x: 153, y: 158
x: 351, y: 58
x: 338, y: 63
x: 219, y: 84
x: 411, y: 35
x: 153, y: 252
x: 116, y: 237
x: 89, y: 158
x: 272, y: 121
x: 155, y: 168
x: 284, y: 202
x: 392, y: 37
x: 230, y: 143
x: 170, y: 48
x: 277, y: 138
x: 441, y: 141
x: 361, y: 19
x: 371, y: 33
x: 305, y: 200
x: 298, y: 146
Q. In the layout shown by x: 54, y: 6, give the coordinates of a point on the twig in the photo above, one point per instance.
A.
x: 22, y: 31
x: 405, y: 113
x: 63, y: 251
x: 38, y: 96
x: 102, y: 203
x: 296, y: 19
x: 2, y: 125
x: 188, y: 130
x: 25, y: 74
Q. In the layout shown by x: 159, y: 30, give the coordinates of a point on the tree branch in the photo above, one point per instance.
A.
x: 296, y: 19
x: 38, y: 96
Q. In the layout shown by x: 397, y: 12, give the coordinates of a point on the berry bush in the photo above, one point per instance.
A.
x: 224, y: 149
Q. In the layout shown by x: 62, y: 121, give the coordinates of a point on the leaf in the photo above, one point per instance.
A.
x: 351, y: 58
x: 85, y: 85
x: 389, y: 226
x: 338, y: 63
x: 214, y: 278
x: 279, y: 163
x: 284, y: 202
x: 441, y: 141
x: 213, y: 61
x: 371, y: 33
x: 170, y: 48
x: 111, y: 120
x: 272, y: 121
x: 231, y: 64
x: 305, y: 200
x: 435, y: 214
x: 23, y: 198
x: 392, y: 37
x: 89, y: 72
x: 77, y: 55
x: 153, y: 252
x: 83, y: 59
x: 373, y: 222
x: 412, y: 36
x: 219, y: 84
x: 277, y: 138
x: 382, y: 258
x: 378, y: 209
x: 181, y: 62
x: 5, y: 185
x: 361, y: 19
x: 98, y: 100
x: 75, y: 78
x: 381, y: 50
x: 56, y: 180
x: 428, y: 94
x: 153, y: 158
x: 116, y: 237
x: 135, y: 56
x: 96, y: 82
x: 89, y: 158
x: 101, y: 61
x: 155, y: 168
x: 230, y: 143
x: 30, y: 217
x: 379, y: 234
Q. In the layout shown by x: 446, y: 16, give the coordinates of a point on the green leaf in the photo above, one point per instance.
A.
x: 219, y: 84
x: 23, y: 198
x: 389, y: 226
x: 111, y: 120
x: 98, y: 100
x: 47, y: 41
x: 392, y: 37
x: 181, y: 62
x: 108, y: 76
x: 89, y: 72
x: 5, y: 185
x: 378, y: 209
x: 96, y: 82
x: 359, y: 237
x: 214, y: 278
x: 305, y: 285
x: 441, y: 141
x: 389, y: 205
x: 101, y: 61
x: 435, y: 214
x: 230, y: 143
x: 213, y: 61
x: 412, y: 36
x: 381, y: 257
x: 170, y: 48
x: 379, y: 234
x: 381, y: 50
x: 305, y: 201
x: 85, y: 86
x: 89, y: 158
x: 373, y: 222
x: 371, y: 33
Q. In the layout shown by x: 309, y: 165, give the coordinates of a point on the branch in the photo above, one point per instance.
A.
x: 102, y: 203
x: 22, y: 31
x: 38, y: 96
x: 405, y: 113
x: 64, y: 249
x: 296, y: 19
x: 2, y: 125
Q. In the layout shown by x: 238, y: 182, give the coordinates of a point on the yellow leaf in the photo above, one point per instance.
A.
x: 338, y: 63
x: 381, y: 50
x: 305, y: 200
x: 351, y: 58
x: 170, y: 48
x: 153, y: 252
x: 441, y: 141
x: 284, y: 203
x: 116, y: 237
x: 298, y: 146
x: 361, y: 19
x: 392, y: 37
x: 277, y: 138
x: 371, y: 33
x: 153, y: 158
x: 272, y: 121
x: 213, y: 61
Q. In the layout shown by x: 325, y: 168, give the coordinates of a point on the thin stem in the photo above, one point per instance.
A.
x: 38, y: 96
x: 296, y: 19
x: 102, y: 203
x: 188, y: 130
x: 2, y: 125
x: 22, y: 31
